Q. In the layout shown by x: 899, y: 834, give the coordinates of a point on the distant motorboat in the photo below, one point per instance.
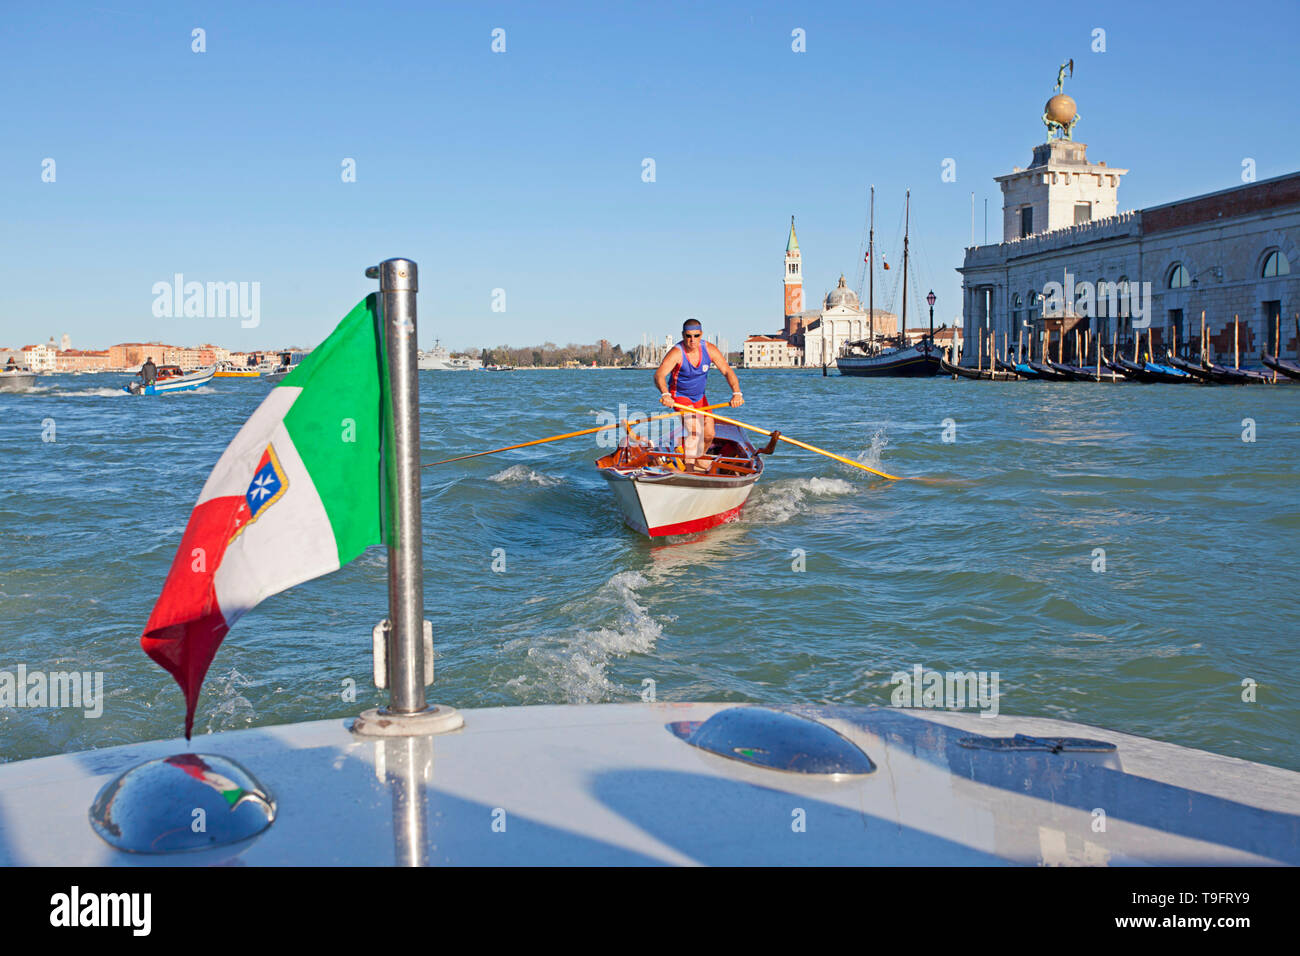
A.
x: 288, y: 362
x: 170, y: 379
x: 14, y: 379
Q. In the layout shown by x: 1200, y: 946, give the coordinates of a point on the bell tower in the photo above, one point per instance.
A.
x: 793, y: 284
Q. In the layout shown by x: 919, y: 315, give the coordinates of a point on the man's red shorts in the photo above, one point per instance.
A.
x: 700, y: 402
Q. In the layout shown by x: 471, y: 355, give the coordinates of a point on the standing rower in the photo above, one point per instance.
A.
x: 681, y: 378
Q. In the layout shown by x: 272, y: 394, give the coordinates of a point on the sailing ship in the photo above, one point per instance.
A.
x: 901, y: 360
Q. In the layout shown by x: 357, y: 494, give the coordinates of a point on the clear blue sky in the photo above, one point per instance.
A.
x: 522, y: 170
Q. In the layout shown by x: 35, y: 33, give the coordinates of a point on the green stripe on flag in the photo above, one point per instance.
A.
x: 337, y: 427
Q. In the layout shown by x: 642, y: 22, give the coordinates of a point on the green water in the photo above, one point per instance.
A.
x: 991, y: 564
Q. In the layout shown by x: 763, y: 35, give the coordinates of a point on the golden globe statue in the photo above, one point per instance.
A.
x: 1061, y: 113
x: 1061, y: 109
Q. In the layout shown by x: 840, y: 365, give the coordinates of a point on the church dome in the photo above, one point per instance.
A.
x: 842, y: 295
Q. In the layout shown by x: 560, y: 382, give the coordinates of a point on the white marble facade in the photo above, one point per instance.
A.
x: 1231, y: 253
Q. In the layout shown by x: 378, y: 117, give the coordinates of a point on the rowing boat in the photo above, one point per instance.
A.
x: 660, y: 494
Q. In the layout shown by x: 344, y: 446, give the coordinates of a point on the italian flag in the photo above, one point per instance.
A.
x: 296, y: 495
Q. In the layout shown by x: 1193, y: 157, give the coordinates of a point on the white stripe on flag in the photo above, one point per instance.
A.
x: 291, y: 541
x: 235, y: 468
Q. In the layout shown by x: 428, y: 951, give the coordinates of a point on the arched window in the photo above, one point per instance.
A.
x: 1178, y: 277
x: 1015, y: 301
x: 1276, y: 265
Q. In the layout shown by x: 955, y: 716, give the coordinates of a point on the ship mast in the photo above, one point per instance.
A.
x: 902, y: 326
x: 871, y: 273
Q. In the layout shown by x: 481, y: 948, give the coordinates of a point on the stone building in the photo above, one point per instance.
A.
x: 1232, y: 255
x: 80, y: 360
x: 771, y: 351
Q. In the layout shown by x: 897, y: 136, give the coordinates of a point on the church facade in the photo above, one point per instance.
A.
x: 814, y: 337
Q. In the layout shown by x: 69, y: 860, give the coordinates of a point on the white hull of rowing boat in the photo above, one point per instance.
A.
x: 656, y: 508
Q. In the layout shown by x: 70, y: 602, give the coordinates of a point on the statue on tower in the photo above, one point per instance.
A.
x: 1061, y: 112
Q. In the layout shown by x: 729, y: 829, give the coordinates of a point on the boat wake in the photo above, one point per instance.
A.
x: 782, y: 500
x: 83, y: 392
x: 522, y: 473
x: 573, y: 666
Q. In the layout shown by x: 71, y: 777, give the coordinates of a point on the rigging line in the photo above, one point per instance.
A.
x: 862, y: 251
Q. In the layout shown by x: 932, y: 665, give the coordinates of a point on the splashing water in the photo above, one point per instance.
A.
x: 522, y: 473
x: 782, y: 500
x: 871, y: 455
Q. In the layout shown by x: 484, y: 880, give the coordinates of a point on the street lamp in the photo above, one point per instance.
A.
x: 930, y: 299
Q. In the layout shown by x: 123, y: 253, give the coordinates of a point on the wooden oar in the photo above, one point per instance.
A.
x: 792, y: 441
x: 585, y: 431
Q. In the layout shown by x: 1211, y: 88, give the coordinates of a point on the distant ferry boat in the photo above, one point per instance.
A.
x: 229, y: 370
x: 439, y: 359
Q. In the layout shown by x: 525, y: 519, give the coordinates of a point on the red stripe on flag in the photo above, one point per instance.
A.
x: 187, y: 625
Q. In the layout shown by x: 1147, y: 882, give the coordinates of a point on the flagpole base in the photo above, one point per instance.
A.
x: 380, y: 722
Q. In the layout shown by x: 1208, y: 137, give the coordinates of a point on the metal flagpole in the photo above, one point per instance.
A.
x: 403, y: 644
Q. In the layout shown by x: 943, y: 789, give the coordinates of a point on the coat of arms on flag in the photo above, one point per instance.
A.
x: 268, y: 484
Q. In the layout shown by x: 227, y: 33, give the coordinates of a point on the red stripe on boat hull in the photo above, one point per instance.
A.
x: 696, y: 524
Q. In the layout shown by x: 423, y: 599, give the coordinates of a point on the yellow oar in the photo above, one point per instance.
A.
x: 585, y: 431
x: 792, y: 441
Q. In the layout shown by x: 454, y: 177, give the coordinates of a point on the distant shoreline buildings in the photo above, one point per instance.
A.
x: 49, y: 357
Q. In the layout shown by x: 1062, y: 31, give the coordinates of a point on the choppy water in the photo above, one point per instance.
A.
x: 990, y: 566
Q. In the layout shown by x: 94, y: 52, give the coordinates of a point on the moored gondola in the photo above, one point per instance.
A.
x: 1046, y: 373
x: 1149, y: 372
x: 1282, y: 366
x: 1214, y: 374
x: 1079, y: 373
x: 1015, y: 369
x: 958, y: 371
x: 963, y: 371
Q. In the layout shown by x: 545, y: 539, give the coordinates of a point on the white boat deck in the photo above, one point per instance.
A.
x: 611, y: 784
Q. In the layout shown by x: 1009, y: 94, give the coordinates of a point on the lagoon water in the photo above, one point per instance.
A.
x: 1117, y: 554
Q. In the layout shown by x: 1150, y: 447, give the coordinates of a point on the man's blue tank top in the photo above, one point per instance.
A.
x: 689, y: 380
